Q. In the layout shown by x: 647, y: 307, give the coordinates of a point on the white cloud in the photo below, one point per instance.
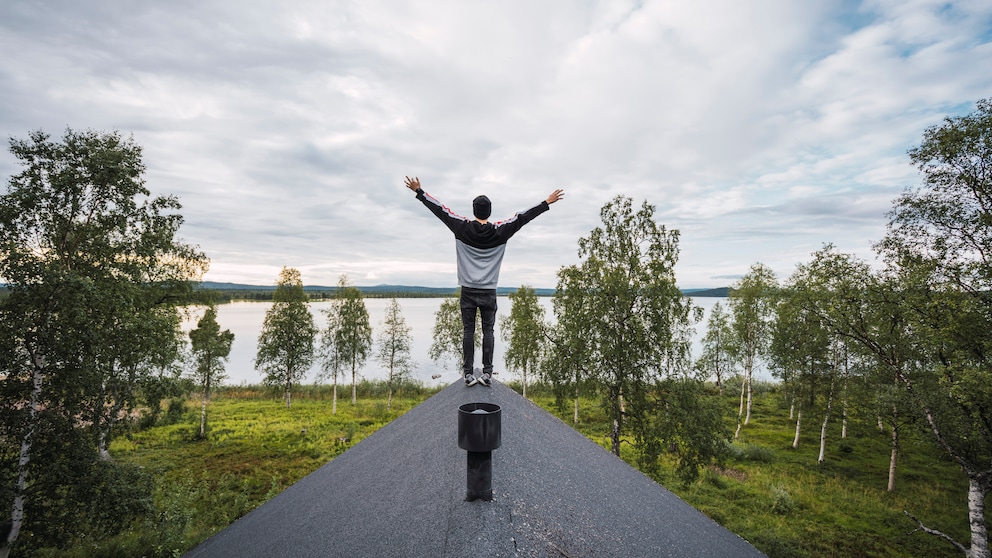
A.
x: 759, y: 129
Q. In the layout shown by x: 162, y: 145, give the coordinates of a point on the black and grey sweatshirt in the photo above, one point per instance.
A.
x: 479, y: 247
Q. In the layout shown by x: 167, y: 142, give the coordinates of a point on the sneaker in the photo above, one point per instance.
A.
x: 485, y: 379
x: 470, y: 380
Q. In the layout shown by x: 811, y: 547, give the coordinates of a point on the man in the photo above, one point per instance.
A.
x: 479, y: 248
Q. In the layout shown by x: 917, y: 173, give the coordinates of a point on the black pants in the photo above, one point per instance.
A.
x: 483, y: 300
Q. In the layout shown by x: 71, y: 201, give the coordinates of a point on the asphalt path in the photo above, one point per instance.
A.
x: 401, y: 492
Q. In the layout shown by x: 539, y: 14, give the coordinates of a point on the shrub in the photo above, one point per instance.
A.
x: 782, y: 502
x: 735, y: 451
x: 761, y: 454
x: 176, y: 410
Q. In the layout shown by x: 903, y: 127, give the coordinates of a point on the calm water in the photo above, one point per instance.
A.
x: 244, y: 319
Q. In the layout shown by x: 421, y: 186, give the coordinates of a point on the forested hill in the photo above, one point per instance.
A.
x: 718, y: 292
x: 232, y: 291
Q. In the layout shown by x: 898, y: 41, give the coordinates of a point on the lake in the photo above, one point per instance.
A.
x: 244, y: 319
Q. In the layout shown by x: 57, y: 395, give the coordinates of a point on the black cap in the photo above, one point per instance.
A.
x: 482, y: 208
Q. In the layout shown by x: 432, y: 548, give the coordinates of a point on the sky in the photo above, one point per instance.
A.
x: 759, y: 130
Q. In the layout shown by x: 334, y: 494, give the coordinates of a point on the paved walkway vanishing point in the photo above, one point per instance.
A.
x: 400, y: 492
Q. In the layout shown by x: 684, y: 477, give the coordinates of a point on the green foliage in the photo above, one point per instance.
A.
x: 448, y: 331
x: 175, y: 411
x: 566, y: 366
x: 782, y: 502
x: 760, y: 454
x: 286, y: 342
x: 210, y: 347
x: 524, y: 332
x: 786, y: 504
x: 752, y: 303
x: 718, y: 358
x: 348, y: 337
x: 157, y: 388
x: 74, y: 494
x: 95, y: 272
x: 689, y: 423
x: 394, y: 347
x: 945, y: 224
x: 939, y: 247
x: 624, y: 317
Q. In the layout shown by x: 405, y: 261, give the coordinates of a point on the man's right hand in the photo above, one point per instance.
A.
x: 413, y: 183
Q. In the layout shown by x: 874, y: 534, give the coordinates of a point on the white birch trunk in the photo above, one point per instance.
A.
x: 843, y: 427
x: 747, y: 418
x: 847, y: 376
x: 823, y: 439
x: 823, y: 428
x: 575, y: 417
x: 354, y: 387
x: 17, y: 509
x: 103, y: 437
x: 977, y: 491
x: 740, y: 410
x: 823, y: 436
x: 334, y: 397
x: 979, y: 484
x: 799, y: 420
x: 102, y: 450
x: 615, y: 433
x: 894, y: 457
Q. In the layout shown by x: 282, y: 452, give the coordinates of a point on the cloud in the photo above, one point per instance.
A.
x: 760, y: 130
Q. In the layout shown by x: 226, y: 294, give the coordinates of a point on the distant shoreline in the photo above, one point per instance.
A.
x: 237, y: 291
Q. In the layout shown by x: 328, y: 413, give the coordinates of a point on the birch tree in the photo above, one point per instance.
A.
x: 567, y: 362
x: 523, y: 332
x: 353, y: 333
x: 286, y: 342
x: 626, y: 308
x: 939, y: 243
x: 866, y: 310
x: 394, y: 348
x: 752, y: 302
x: 717, y: 358
x: 330, y: 357
x: 94, y: 273
x: 210, y: 347
x: 799, y: 353
x: 448, y: 332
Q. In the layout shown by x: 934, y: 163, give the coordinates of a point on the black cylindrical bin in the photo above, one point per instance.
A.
x: 479, y: 432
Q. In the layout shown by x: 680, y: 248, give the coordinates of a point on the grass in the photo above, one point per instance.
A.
x: 776, y: 497
x: 786, y: 504
x: 255, y: 447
